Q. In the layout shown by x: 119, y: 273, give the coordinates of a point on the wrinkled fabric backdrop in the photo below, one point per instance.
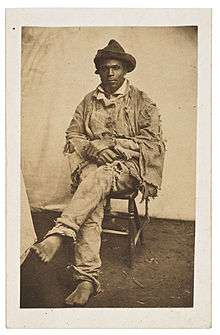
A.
x: 57, y: 71
x: 27, y: 232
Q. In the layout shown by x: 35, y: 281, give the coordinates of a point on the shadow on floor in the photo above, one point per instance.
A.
x: 162, y: 276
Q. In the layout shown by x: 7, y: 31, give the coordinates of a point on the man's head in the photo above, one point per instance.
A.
x: 112, y: 73
x: 112, y: 62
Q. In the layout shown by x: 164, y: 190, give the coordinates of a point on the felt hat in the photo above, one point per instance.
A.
x: 115, y: 51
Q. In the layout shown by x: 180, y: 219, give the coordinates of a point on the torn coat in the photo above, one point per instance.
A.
x: 132, y: 116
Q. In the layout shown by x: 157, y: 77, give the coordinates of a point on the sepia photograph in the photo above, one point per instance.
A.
x: 108, y: 167
x: 78, y: 85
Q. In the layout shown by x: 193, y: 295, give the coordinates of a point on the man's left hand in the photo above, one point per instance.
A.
x: 107, y: 156
x: 97, y: 146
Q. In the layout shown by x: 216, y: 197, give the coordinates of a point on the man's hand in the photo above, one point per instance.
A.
x: 97, y: 146
x: 127, y: 144
x: 126, y: 154
x: 107, y: 156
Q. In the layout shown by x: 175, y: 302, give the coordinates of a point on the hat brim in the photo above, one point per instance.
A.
x: 128, y: 59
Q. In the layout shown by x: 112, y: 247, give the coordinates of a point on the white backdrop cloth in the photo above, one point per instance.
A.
x: 58, y: 71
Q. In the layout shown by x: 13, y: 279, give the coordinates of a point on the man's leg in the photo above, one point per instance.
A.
x: 98, y: 183
x: 95, y: 185
x: 87, y: 261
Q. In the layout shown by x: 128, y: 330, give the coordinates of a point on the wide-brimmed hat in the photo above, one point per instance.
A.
x: 115, y: 51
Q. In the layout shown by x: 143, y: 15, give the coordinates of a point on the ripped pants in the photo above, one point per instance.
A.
x: 82, y: 218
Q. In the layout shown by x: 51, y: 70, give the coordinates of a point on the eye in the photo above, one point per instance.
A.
x: 103, y: 68
x: 115, y: 67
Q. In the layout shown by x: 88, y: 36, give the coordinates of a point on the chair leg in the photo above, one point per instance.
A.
x: 108, y: 210
x: 131, y: 211
x: 139, y: 224
x: 147, y: 218
x: 142, y: 237
x: 147, y: 221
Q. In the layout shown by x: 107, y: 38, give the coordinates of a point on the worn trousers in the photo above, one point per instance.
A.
x: 82, y: 218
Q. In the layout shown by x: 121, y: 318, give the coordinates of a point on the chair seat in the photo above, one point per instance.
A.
x: 124, y: 195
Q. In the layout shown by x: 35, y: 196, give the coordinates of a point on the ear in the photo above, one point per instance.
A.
x: 125, y: 67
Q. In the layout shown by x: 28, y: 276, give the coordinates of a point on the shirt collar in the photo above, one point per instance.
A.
x: 100, y: 93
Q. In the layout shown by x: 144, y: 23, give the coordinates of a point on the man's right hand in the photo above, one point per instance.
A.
x: 107, y: 156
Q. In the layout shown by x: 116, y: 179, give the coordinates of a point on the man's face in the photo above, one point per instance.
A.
x: 112, y: 72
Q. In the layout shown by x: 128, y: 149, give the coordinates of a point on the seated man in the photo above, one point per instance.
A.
x: 114, y: 143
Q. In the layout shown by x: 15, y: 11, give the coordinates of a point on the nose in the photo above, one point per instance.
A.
x: 110, y: 72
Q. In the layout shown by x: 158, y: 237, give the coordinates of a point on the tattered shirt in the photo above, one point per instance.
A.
x: 127, y: 114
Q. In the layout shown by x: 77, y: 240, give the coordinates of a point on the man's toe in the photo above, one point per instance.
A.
x: 43, y: 258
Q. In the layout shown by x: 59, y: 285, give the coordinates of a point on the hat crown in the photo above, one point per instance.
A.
x: 114, y: 46
x: 115, y: 51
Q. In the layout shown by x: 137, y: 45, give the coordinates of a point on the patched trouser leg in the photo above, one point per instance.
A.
x: 96, y: 183
x: 87, y: 261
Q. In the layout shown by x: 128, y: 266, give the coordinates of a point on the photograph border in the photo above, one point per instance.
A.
x: 200, y: 315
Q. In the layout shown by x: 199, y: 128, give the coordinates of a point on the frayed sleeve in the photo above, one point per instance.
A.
x: 152, y: 147
x: 149, y: 122
x: 76, y: 139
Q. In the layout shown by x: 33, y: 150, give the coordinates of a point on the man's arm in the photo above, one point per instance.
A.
x: 77, y: 140
x: 149, y: 133
x: 149, y: 123
x: 149, y: 127
x: 152, y: 147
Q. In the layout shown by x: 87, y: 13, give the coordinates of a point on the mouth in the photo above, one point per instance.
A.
x: 111, y: 81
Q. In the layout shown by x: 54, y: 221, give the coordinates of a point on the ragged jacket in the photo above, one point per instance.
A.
x: 132, y: 116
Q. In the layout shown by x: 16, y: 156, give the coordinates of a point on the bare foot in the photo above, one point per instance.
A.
x: 48, y: 247
x: 81, y: 295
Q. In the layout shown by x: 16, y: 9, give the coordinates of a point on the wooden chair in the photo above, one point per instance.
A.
x: 134, y: 227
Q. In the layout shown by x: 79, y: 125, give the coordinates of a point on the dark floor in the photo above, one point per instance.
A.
x: 162, y: 276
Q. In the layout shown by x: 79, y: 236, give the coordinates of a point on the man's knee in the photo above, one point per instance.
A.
x: 92, y: 171
x: 104, y: 170
x: 103, y: 177
x: 105, y: 174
